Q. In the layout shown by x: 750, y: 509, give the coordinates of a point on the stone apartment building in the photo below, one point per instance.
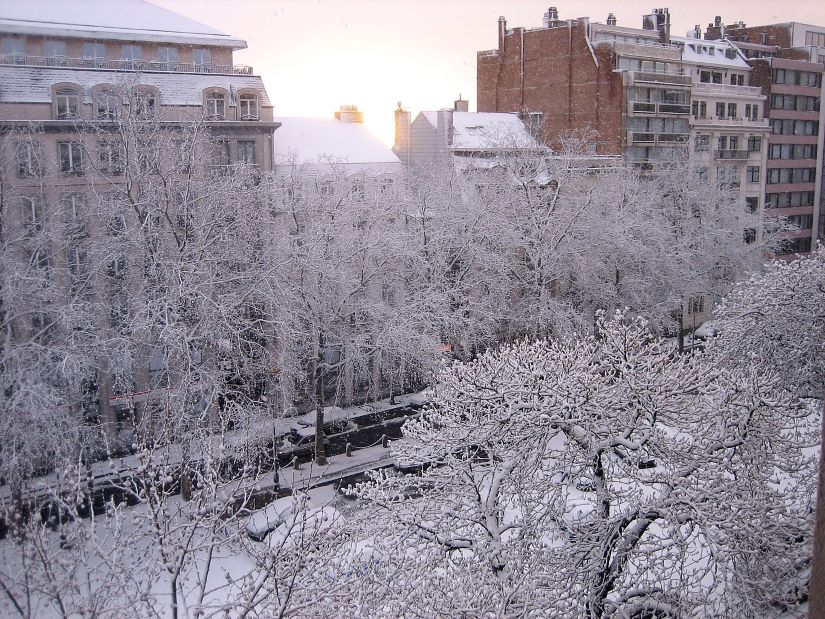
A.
x: 788, y: 61
x: 69, y: 72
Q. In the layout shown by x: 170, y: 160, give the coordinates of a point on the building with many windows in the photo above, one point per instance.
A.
x: 787, y: 61
x: 82, y: 85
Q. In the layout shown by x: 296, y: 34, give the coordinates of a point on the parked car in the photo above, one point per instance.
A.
x: 261, y: 522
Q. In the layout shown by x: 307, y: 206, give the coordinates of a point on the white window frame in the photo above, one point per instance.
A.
x: 73, y: 156
x: 215, y: 105
x: 248, y: 106
x: 64, y: 98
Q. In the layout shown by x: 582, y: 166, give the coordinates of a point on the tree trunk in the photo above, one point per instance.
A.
x: 816, y: 586
x: 318, y: 373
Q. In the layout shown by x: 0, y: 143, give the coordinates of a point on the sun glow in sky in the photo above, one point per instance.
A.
x: 315, y: 55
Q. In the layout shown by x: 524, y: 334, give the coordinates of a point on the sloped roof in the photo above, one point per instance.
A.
x: 22, y: 84
x: 322, y: 141
x: 108, y: 19
x: 486, y: 130
x: 711, y: 53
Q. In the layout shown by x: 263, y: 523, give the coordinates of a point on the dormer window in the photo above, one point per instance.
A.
x: 107, y: 105
x: 249, y: 107
x: 215, y: 106
x: 67, y: 101
x: 144, y: 104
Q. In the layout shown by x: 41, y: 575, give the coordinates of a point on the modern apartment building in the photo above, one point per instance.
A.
x: 787, y: 61
x: 71, y: 74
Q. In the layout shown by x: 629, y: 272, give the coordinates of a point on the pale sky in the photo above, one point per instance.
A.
x: 315, y: 55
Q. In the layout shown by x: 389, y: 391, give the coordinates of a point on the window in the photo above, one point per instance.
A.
x: 131, y: 52
x: 791, y: 199
x: 77, y: 260
x: 358, y: 190
x: 326, y: 188
x: 804, y: 222
x: 168, y: 55
x: 817, y: 39
x: 754, y: 144
x: 720, y: 110
x: 246, y: 151
x: 29, y: 157
x: 110, y: 155
x: 249, y: 107
x: 751, y: 111
x: 752, y: 174
x: 736, y: 79
x: 202, y: 59
x: 215, y: 106
x: 786, y: 126
x: 732, y: 112
x: 710, y: 77
x: 95, y: 52
x: 71, y: 157
x: 107, y: 105
x: 75, y: 214
x: 792, y: 151
x: 67, y: 101
x: 727, y: 176
x: 751, y: 204
x: 15, y: 46
x: 701, y: 143
x: 700, y: 109
x: 723, y: 142
x: 143, y: 104
x: 221, y: 159
x: 32, y: 214
x: 795, y: 246
x: 52, y: 48
x: 386, y: 186
x: 749, y: 235
x: 791, y: 175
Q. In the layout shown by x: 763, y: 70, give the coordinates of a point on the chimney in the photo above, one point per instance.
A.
x: 401, y: 148
x: 502, y: 32
x: 445, y: 127
x: 659, y: 20
x: 551, y: 17
x: 697, y: 32
x: 461, y: 105
x: 717, y: 21
x: 611, y: 19
x: 349, y: 114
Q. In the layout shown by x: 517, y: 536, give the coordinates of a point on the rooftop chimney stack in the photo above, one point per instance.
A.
x: 551, y: 17
x: 502, y: 31
x: 461, y: 105
x: 697, y: 32
x: 658, y: 20
x: 401, y: 148
x: 611, y: 19
x: 349, y: 114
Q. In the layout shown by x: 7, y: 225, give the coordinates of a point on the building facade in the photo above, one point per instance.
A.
x: 79, y: 94
x: 787, y: 61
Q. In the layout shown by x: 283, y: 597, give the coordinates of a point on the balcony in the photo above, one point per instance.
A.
x: 650, y: 138
x: 703, y: 88
x: 733, y: 154
x: 656, y: 109
x: 62, y: 62
x: 742, y: 123
x: 670, y: 79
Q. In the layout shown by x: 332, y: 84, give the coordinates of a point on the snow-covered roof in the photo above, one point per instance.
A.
x: 22, y: 84
x: 486, y: 130
x: 108, y: 19
x: 711, y: 53
x: 323, y: 141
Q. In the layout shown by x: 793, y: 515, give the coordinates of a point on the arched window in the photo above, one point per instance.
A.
x: 215, y: 105
x: 67, y: 102
x: 248, y: 105
x: 107, y: 104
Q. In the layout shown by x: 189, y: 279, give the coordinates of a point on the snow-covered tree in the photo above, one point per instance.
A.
x: 776, y: 319
x: 600, y: 476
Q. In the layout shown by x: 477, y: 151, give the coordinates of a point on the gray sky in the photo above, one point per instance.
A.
x: 315, y: 55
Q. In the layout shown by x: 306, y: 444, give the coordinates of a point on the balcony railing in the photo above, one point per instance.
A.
x: 122, y: 65
x: 649, y: 137
x: 705, y: 88
x: 674, y: 79
x: 733, y: 154
x: 736, y: 122
x: 649, y: 107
